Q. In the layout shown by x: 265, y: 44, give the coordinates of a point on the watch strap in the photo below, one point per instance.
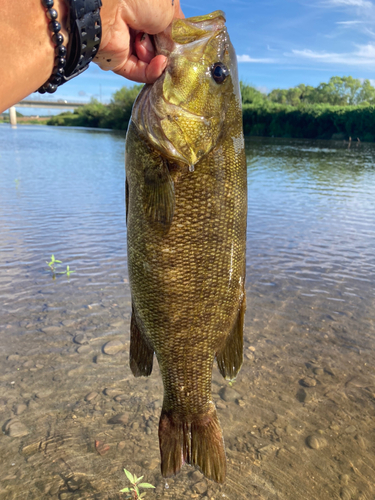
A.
x: 84, y: 28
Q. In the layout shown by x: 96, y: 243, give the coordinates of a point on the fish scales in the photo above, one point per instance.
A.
x: 186, y: 242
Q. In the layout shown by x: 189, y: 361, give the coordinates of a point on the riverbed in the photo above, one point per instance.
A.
x: 299, y: 421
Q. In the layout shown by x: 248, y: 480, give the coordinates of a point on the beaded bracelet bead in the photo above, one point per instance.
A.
x: 60, y: 50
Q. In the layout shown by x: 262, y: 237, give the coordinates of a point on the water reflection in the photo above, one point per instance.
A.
x: 298, y: 422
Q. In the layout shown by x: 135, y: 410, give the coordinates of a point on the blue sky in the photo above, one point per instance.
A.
x: 279, y: 44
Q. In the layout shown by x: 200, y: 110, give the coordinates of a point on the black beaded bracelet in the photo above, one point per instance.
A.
x: 60, y: 50
x: 84, y: 28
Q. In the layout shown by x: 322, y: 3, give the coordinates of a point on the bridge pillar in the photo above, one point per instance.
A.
x: 13, y: 116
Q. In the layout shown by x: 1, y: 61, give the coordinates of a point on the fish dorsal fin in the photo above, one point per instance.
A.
x: 230, y: 358
x: 158, y: 193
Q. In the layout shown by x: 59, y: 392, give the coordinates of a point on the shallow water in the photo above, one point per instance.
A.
x: 299, y: 420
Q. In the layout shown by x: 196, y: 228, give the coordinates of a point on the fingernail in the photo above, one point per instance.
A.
x: 143, y: 37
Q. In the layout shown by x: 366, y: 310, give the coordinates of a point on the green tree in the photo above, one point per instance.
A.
x: 250, y: 95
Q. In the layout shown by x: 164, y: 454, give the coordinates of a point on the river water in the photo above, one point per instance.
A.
x: 299, y: 421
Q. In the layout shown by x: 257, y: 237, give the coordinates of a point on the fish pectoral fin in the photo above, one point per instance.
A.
x: 197, y: 442
x: 158, y: 193
x: 230, y: 358
x: 141, y: 353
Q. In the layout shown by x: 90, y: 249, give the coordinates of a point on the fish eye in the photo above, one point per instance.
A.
x: 219, y: 72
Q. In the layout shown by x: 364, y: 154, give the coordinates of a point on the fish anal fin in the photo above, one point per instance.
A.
x: 141, y: 353
x: 230, y: 358
x: 199, y: 442
x: 158, y: 193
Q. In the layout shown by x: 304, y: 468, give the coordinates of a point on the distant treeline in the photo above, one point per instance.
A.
x: 341, y: 108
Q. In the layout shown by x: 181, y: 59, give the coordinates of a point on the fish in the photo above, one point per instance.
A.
x: 186, y: 211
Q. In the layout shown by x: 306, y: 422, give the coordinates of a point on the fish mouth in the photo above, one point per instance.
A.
x: 189, y: 30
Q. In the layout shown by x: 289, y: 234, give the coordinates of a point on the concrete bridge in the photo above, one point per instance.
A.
x: 42, y: 103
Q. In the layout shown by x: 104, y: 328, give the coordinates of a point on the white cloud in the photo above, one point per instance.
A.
x: 349, y: 23
x: 364, y: 55
x: 247, y: 59
x: 353, y: 3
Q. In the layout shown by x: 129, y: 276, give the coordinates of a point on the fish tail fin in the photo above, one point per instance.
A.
x: 199, y: 442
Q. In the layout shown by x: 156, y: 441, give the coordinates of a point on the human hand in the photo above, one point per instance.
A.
x: 126, y: 47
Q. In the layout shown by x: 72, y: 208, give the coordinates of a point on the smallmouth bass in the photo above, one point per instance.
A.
x: 186, y: 203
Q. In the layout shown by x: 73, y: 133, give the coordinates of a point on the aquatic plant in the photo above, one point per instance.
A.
x: 52, y: 265
x: 133, y: 491
x: 68, y: 272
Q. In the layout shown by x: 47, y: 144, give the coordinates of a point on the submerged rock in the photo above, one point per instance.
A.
x: 113, y: 347
x: 15, y: 428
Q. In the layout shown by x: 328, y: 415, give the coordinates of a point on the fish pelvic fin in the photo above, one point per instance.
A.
x: 230, y: 358
x: 141, y: 353
x: 199, y: 442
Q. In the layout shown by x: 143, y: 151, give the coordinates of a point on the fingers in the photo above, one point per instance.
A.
x: 147, y: 17
x: 144, y: 48
x: 178, y: 11
x: 139, y: 71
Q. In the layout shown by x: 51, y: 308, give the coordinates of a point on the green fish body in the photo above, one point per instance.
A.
x: 186, y: 203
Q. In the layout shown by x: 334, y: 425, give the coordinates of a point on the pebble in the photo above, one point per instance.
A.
x: 50, y: 329
x: 267, y: 450
x: 151, y: 464
x: 221, y: 405
x: 308, y: 382
x: 113, y: 347
x: 135, y: 426
x: 347, y: 493
x: 158, y: 404
x: 148, y: 431
x: 351, y: 429
x: 200, y: 487
x: 250, y: 356
x: 33, y: 405
x: 303, y: 396
x: 316, y: 442
x: 318, y: 371
x: 81, y: 338
x: 84, y: 349
x: 13, y: 357
x: 120, y: 398
x: 31, y: 449
x: 334, y: 427
x: 101, y: 447
x: 46, y: 393
x: 68, y: 322
x: 91, y: 396
x: 15, y: 428
x: 121, y: 418
x: 197, y: 476
x: 228, y: 394
x: 18, y: 409
x: 121, y: 445
x: 111, y: 392
x: 344, y: 478
x: 361, y: 442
